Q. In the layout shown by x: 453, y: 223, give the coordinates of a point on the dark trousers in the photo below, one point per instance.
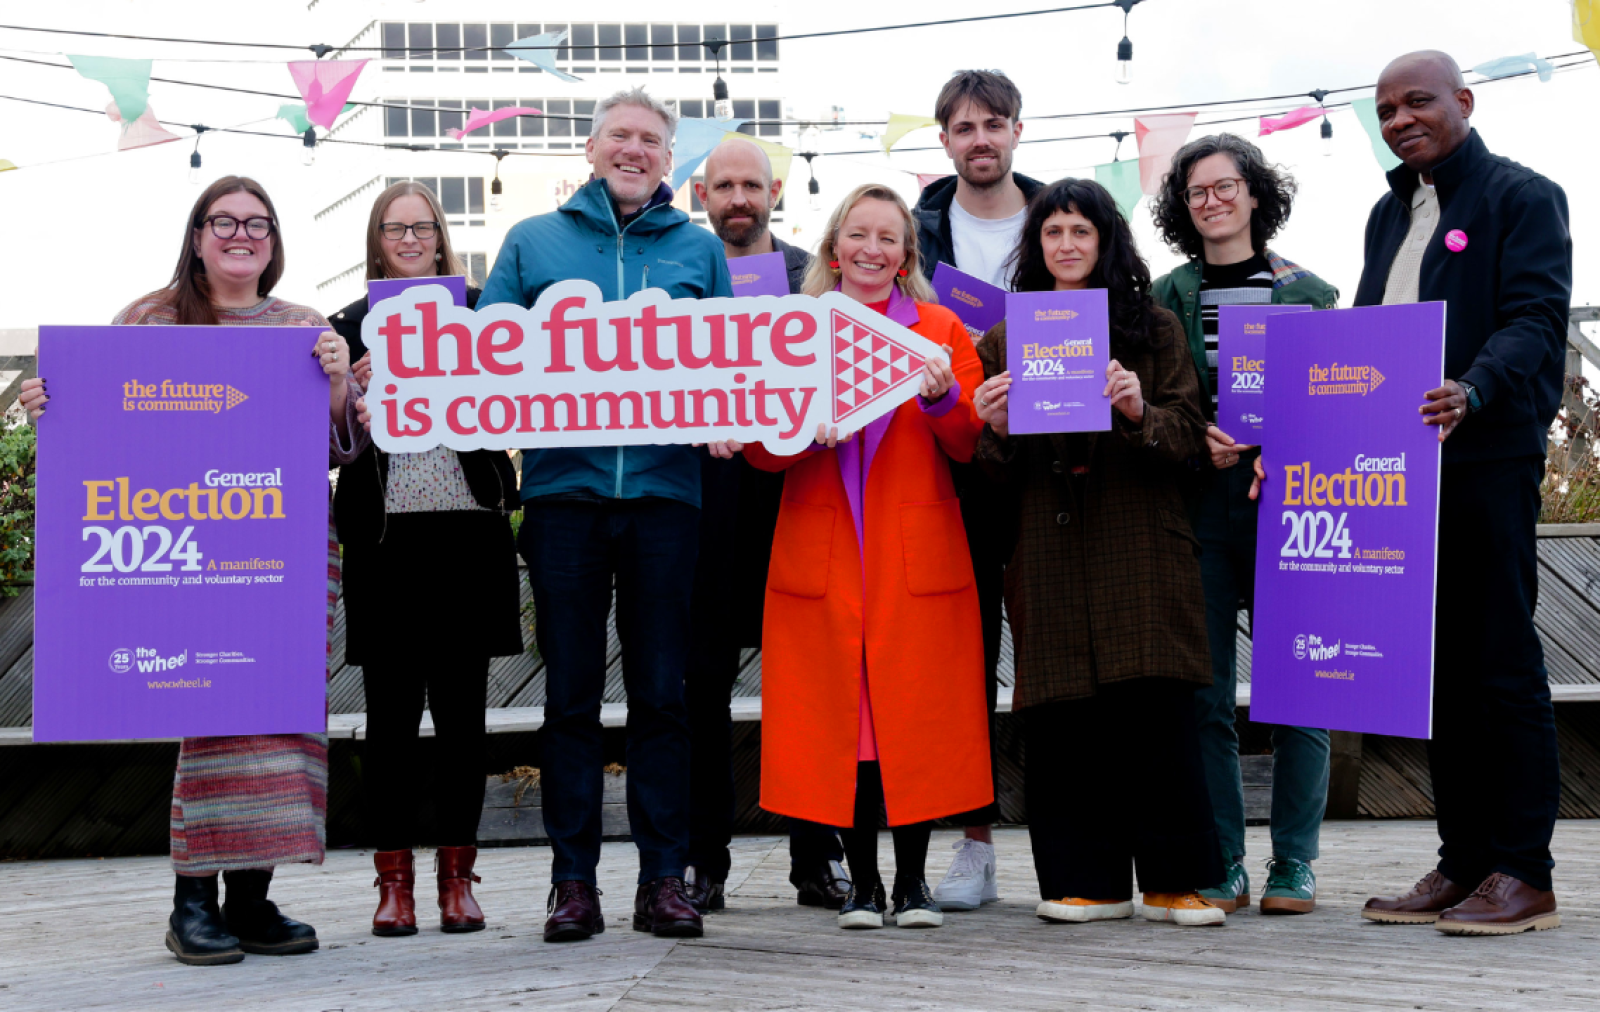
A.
x: 576, y: 552
x: 1496, y: 774
x: 1114, y: 783
x: 861, y: 839
x: 453, y: 690
x: 714, y: 652
x: 984, y: 515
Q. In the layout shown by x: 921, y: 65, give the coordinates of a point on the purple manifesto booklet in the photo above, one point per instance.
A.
x: 978, y: 304
x: 388, y: 288
x: 1242, y: 368
x: 762, y: 274
x: 1058, y: 345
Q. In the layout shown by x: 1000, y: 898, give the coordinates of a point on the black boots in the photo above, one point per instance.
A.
x: 196, y: 933
x: 261, y: 929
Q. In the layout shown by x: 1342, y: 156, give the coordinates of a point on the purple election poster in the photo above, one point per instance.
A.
x: 1242, y: 369
x: 978, y: 304
x: 1345, y: 555
x: 182, y: 564
x: 379, y: 289
x: 1058, y: 345
x: 762, y: 274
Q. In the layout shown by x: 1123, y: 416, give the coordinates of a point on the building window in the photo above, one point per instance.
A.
x: 767, y: 47
x: 742, y: 48
x: 394, y: 41
x: 506, y: 127
x: 582, y: 39
x: 502, y: 35
x: 423, y: 121
x: 532, y: 126
x: 453, y: 195
x: 477, y: 265
x: 449, y: 38
x: 396, y: 122
x: 475, y: 37
x: 770, y: 109
x: 661, y: 48
x: 420, y: 37
x: 690, y: 33
x: 610, y: 38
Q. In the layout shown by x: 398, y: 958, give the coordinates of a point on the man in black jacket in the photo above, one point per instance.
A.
x: 972, y: 222
x: 1490, y: 239
x: 738, y: 514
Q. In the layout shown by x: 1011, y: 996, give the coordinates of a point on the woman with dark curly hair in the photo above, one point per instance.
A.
x: 1220, y: 206
x: 1103, y: 592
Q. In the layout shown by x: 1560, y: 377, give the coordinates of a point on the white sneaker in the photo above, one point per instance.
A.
x: 970, y: 883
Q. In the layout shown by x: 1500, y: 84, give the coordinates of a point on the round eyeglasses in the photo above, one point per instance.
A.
x: 1227, y: 191
x: 226, y: 226
x: 422, y: 229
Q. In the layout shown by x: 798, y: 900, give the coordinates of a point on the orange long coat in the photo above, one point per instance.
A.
x: 916, y: 625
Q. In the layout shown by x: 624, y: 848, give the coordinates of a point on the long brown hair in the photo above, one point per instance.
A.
x: 377, y: 266
x: 823, y: 277
x: 188, y: 294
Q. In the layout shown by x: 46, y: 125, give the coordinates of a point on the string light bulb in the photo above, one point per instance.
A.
x: 1320, y: 96
x: 495, y: 187
x: 811, y: 185
x: 308, y: 151
x: 1125, y: 47
x: 721, y: 107
x: 194, y: 156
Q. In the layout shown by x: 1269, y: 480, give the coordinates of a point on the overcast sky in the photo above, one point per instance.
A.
x: 87, y: 236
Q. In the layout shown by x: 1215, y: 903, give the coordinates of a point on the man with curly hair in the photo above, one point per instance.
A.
x: 1220, y: 206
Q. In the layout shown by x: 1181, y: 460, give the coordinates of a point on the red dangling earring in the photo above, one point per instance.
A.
x: 903, y: 272
x: 834, y: 264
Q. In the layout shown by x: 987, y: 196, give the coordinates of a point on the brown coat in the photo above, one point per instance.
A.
x: 1104, y: 584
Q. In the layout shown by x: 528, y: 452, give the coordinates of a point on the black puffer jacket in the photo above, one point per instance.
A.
x: 932, y: 215
x: 358, y: 502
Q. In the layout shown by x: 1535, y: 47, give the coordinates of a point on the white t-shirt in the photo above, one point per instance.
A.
x: 984, y: 245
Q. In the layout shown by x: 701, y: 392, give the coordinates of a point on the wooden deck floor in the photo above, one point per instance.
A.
x: 86, y: 935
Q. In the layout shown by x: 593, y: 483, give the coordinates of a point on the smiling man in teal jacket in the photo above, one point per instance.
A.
x: 628, y: 517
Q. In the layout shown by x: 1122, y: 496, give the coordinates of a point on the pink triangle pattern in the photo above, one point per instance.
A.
x: 866, y: 365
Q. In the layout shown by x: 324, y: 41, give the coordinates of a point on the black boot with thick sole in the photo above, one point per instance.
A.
x: 196, y: 932
x: 255, y: 919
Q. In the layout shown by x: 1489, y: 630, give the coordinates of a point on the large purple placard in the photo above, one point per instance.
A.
x: 1058, y: 345
x: 1348, y: 533
x: 182, y: 534
x: 1242, y: 369
x: 762, y: 274
x: 976, y: 303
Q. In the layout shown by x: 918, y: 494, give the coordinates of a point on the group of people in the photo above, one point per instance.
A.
x: 875, y: 568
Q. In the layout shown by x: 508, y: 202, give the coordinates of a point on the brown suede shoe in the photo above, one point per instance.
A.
x: 396, y: 882
x: 1502, y: 905
x: 662, y: 908
x: 1422, y: 905
x: 574, y: 912
x: 458, y: 911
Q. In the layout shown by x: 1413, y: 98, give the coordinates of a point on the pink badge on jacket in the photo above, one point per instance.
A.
x: 1455, y: 240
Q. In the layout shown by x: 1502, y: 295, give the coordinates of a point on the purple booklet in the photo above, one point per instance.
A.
x: 1058, y: 345
x: 762, y: 274
x: 1242, y: 369
x: 978, y: 304
x: 388, y: 288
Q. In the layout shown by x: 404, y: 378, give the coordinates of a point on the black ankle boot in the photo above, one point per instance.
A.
x: 196, y: 932
x: 256, y: 920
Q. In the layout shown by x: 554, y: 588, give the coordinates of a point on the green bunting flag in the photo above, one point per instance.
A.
x: 1366, y: 110
x: 128, y: 80
x: 294, y: 114
x: 1122, y: 180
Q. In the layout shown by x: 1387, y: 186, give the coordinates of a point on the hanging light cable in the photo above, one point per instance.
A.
x: 811, y: 185
x: 1125, y: 47
x: 1327, y: 127
x: 495, y: 189
x: 722, y: 108
x: 194, y: 156
x: 308, y: 152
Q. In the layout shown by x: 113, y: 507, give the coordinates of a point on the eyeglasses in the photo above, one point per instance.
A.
x: 1227, y: 191
x: 422, y: 229
x: 226, y: 226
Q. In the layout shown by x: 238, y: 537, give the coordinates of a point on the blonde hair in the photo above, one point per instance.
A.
x: 822, y: 278
x: 377, y: 265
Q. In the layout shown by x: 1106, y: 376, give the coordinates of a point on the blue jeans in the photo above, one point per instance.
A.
x: 576, y: 551
x: 1226, y: 527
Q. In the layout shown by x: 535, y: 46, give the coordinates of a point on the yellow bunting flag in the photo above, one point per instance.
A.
x: 6, y: 166
x: 1586, y: 24
x: 900, y: 125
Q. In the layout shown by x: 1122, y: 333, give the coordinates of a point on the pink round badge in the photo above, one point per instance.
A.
x: 1455, y: 240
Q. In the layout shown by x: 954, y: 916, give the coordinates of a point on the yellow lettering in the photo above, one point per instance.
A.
x: 1290, y: 498
x: 144, y: 503
x: 98, y: 499
x: 261, y: 496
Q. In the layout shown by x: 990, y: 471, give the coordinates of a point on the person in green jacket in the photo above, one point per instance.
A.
x: 1219, y: 206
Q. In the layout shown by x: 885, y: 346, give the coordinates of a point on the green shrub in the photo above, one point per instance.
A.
x: 16, y: 509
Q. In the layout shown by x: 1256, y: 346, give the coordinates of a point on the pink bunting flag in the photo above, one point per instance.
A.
x: 927, y: 179
x: 479, y: 118
x: 142, y: 132
x: 1159, y: 139
x: 1288, y: 121
x: 325, y: 85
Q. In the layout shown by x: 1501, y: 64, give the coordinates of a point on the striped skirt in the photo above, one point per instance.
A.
x: 253, y: 801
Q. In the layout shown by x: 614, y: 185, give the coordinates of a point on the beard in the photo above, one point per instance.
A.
x: 745, y: 234
x: 986, y: 178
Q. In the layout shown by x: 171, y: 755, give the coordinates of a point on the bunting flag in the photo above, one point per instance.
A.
x: 1586, y: 24
x: 141, y: 132
x: 901, y: 124
x: 479, y: 118
x: 1509, y: 65
x: 128, y: 80
x: 1159, y: 138
x: 294, y: 114
x: 1288, y: 121
x: 927, y: 179
x: 695, y: 139
x: 7, y: 166
x: 1366, y: 110
x: 325, y: 85
x: 532, y: 49
x: 1121, y: 180
x: 782, y: 158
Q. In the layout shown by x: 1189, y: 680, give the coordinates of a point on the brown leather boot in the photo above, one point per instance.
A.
x: 1502, y: 905
x: 1422, y: 905
x: 458, y: 911
x: 396, y: 881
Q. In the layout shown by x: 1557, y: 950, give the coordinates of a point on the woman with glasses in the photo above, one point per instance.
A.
x: 431, y: 594
x: 243, y: 804
x: 1220, y: 206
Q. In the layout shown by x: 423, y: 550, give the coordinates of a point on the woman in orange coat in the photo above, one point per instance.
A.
x: 872, y: 655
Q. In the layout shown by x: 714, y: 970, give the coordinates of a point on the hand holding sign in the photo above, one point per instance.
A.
x: 991, y: 401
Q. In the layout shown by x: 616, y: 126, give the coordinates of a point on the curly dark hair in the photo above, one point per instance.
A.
x: 1273, y: 188
x: 1120, y: 270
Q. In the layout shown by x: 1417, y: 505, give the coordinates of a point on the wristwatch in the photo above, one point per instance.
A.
x: 1474, y: 402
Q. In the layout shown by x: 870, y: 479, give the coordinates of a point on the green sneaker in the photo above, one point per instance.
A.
x: 1291, y: 887
x: 1234, y: 890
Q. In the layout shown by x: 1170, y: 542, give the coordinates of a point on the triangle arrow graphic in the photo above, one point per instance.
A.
x: 867, y: 365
